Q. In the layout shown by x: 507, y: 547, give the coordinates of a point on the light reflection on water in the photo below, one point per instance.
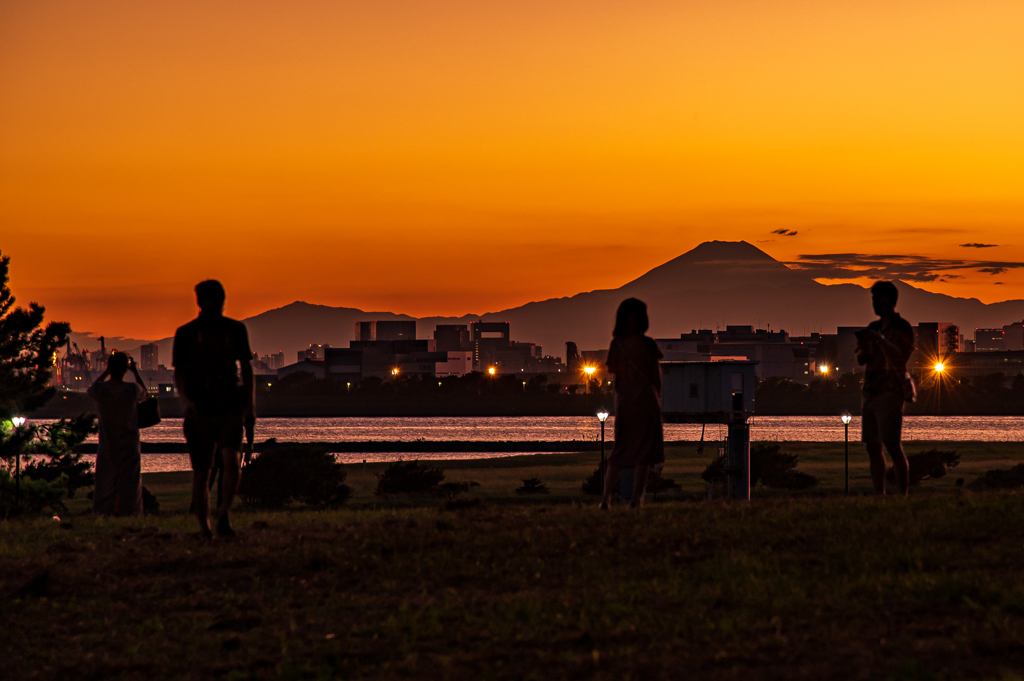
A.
x: 565, y: 428
x: 568, y: 428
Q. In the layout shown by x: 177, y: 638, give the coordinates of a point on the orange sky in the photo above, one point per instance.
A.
x: 455, y: 157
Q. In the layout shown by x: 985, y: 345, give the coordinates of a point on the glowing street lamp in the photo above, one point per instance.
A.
x: 846, y: 425
x: 589, y: 371
x: 939, y: 368
x: 394, y: 372
x: 602, y: 416
x: 491, y: 370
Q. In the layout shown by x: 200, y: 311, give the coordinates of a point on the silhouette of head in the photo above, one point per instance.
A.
x: 631, y: 319
x: 118, y: 364
x: 883, y: 297
x: 210, y: 296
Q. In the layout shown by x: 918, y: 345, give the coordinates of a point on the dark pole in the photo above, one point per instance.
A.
x: 847, y: 427
x: 17, y: 480
x: 602, y: 452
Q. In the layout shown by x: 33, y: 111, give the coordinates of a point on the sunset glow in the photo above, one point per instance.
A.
x: 457, y: 157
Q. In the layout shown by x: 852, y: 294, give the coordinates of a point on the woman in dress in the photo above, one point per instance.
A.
x: 639, y: 443
x: 118, y: 489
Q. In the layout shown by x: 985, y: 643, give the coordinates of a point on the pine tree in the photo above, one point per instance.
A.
x: 28, y: 350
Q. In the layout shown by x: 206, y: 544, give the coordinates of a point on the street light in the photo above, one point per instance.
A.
x: 846, y: 425
x: 602, y: 416
x: 939, y: 368
x: 491, y: 370
x: 18, y: 422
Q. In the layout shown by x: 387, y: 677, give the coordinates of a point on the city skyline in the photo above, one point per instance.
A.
x: 465, y: 158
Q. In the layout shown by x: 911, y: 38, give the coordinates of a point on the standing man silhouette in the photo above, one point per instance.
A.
x: 885, y: 346
x: 208, y: 352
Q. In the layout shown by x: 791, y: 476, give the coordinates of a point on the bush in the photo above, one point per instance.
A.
x: 450, y: 490
x: 409, y: 477
x: 308, y: 475
x: 532, y: 486
x: 929, y: 465
x: 36, y: 495
x: 775, y: 469
x: 53, y: 454
x: 1001, y: 479
x: 594, y: 484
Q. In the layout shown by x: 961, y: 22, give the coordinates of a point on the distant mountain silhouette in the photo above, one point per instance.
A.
x: 715, y: 284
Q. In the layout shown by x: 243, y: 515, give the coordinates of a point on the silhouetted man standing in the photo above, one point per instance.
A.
x: 885, y: 346
x: 207, y: 353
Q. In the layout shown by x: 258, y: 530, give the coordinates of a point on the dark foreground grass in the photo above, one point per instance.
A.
x: 808, y: 588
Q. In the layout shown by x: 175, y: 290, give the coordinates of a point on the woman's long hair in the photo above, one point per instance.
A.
x: 631, y: 318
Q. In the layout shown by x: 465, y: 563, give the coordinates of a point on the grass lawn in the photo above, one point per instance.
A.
x: 808, y: 586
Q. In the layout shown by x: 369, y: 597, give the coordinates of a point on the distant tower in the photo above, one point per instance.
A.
x: 572, y: 356
x: 150, y: 356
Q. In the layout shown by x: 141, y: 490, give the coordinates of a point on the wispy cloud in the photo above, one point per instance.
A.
x: 978, y: 245
x: 916, y: 268
x: 785, y: 232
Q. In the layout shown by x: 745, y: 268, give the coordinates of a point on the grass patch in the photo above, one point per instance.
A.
x: 809, y: 587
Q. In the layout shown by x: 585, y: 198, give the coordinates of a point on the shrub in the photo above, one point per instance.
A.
x: 532, y: 486
x: 714, y: 473
x: 1001, y: 479
x: 594, y: 484
x: 450, y: 490
x: 309, y: 475
x: 930, y: 465
x: 409, y: 477
x: 773, y: 468
x: 656, y: 482
x: 36, y: 495
x: 53, y: 454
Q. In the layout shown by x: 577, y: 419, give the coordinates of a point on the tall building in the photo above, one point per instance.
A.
x: 935, y: 342
x: 452, y: 338
x: 364, y: 331
x: 150, y: 356
x: 989, y: 340
x: 396, y: 331
x: 488, y: 338
x: 315, y: 352
x: 385, y: 331
x: 1014, y: 336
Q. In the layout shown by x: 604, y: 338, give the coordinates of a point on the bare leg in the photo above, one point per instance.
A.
x: 201, y: 500
x: 900, y: 466
x: 232, y: 475
x: 611, y: 477
x: 639, y: 485
x: 877, y: 460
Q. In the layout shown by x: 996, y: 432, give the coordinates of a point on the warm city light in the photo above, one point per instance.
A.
x: 602, y: 416
x: 824, y: 370
x: 939, y: 367
x: 589, y: 370
x: 491, y: 371
x: 394, y: 372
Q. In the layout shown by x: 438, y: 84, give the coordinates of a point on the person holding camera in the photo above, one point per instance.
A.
x: 884, y: 348
x: 118, y: 488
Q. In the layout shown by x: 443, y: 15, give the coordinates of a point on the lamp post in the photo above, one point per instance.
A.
x: 939, y: 368
x: 18, y: 422
x: 589, y: 371
x: 846, y: 426
x: 602, y: 416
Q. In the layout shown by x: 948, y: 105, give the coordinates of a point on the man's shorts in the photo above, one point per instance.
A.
x: 204, y: 434
x: 882, y: 418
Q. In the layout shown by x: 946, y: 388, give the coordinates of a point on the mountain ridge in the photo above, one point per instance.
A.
x: 715, y: 284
